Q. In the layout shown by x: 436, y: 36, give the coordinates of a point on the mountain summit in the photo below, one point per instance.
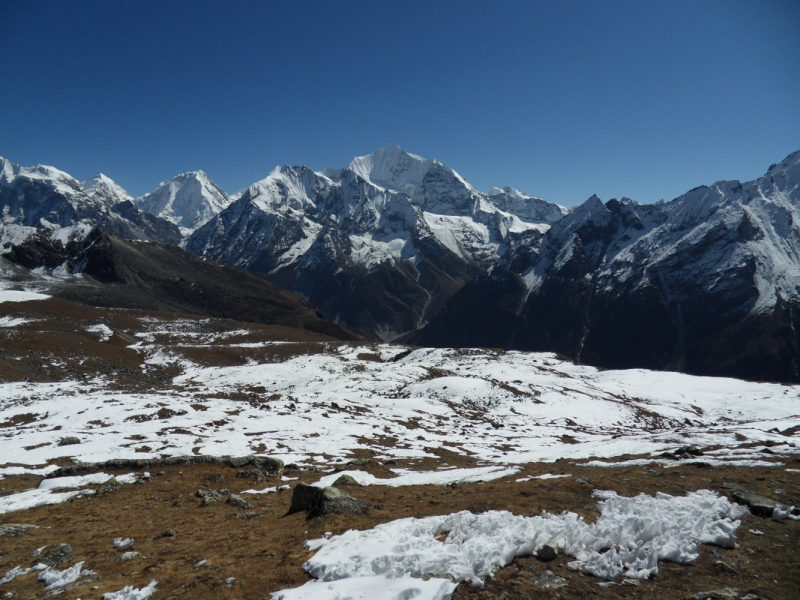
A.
x: 189, y: 200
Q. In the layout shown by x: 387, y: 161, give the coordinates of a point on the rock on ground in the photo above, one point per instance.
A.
x: 324, y: 501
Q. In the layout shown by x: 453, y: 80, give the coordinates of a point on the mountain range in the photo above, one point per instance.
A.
x: 398, y: 247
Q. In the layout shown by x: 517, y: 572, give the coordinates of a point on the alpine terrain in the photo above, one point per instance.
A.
x: 708, y: 283
x: 378, y: 246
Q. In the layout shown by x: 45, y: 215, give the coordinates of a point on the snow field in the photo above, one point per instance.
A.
x: 332, y: 402
x: 629, y: 538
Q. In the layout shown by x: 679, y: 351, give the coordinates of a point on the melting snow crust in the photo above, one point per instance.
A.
x: 629, y: 538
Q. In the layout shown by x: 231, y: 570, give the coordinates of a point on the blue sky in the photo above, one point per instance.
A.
x: 559, y: 99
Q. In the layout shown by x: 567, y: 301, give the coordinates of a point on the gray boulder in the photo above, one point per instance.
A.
x: 55, y: 556
x: 318, y: 502
x: 208, y: 497
x: 255, y: 474
x: 109, y: 486
x: 760, y: 506
x: 15, y: 529
x: 237, y: 500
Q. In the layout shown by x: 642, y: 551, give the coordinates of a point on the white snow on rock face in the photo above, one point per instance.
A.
x: 189, y: 200
x: 629, y: 538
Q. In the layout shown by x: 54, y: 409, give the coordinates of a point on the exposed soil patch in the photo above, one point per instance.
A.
x: 265, y: 553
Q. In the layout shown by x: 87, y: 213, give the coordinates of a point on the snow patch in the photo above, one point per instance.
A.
x: 629, y: 538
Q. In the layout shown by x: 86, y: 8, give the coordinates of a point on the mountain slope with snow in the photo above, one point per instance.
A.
x: 43, y: 201
x: 377, y: 246
x: 707, y: 283
x: 189, y: 200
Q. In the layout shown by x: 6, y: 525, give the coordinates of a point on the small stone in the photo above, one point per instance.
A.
x: 249, y: 515
x: 200, y: 563
x: 251, y: 474
x: 57, y: 555
x: 633, y: 582
x: 724, y: 567
x: 15, y: 529
x: 547, y: 553
x: 109, y: 486
x: 756, y: 532
x: 607, y: 584
x: 723, y: 594
x: 161, y: 473
x: 69, y: 441
x: 346, y: 480
x: 582, y: 480
x: 166, y: 534
x: 10, y: 595
x: 548, y: 580
x: 229, y: 582
x: 239, y: 501
x: 126, y: 556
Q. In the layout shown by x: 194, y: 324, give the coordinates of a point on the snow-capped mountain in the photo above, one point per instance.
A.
x: 105, y: 188
x: 378, y: 246
x: 526, y: 207
x: 709, y: 282
x: 189, y: 201
x: 42, y: 203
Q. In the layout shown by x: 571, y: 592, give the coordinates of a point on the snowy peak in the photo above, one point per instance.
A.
x: 287, y: 187
x: 14, y: 174
x: 393, y: 168
x: 189, y: 200
x: 105, y: 189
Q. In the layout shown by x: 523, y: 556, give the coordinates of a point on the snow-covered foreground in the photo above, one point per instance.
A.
x: 313, y: 403
x: 629, y: 538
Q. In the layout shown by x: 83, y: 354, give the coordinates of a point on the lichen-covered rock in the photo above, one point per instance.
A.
x: 319, y: 502
x: 346, y: 480
x: 131, y: 555
x: 237, y: 500
x: 251, y: 474
x: 168, y: 533
x: 109, y: 486
x: 208, y: 497
x: 15, y: 529
x: 272, y: 467
x: 55, y: 556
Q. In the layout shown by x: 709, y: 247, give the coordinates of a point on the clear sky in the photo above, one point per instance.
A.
x: 645, y: 99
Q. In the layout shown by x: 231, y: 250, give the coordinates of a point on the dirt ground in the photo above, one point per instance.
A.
x: 266, y: 553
